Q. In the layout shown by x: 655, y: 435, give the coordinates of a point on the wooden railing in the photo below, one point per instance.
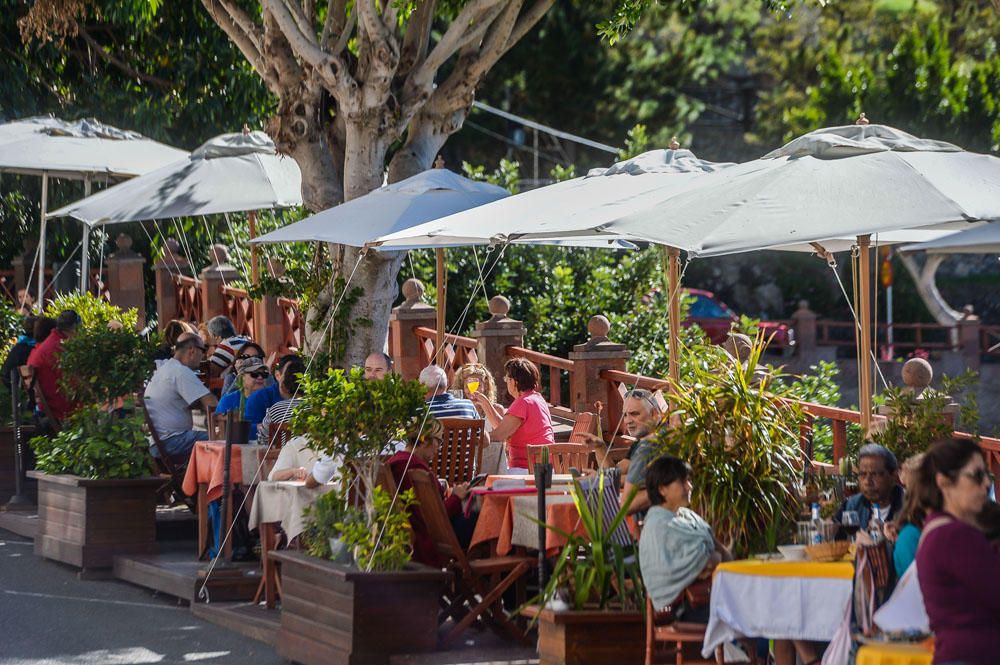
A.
x: 97, y: 285
x: 293, y: 327
x: 239, y: 309
x: 556, y: 374
x: 187, y: 291
x: 457, y: 350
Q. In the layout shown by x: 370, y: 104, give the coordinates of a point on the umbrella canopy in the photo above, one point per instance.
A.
x: 982, y: 240
x: 831, y: 183
x: 230, y: 173
x: 75, y: 150
x: 574, y: 208
x: 428, y: 195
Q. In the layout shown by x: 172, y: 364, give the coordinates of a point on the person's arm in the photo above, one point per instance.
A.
x: 255, y: 409
x: 639, y: 502
x: 506, y: 427
x: 295, y: 473
x: 636, y: 477
x: 208, y: 404
x: 489, y: 410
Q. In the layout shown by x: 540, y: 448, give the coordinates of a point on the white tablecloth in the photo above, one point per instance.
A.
x: 789, y: 607
x: 284, y: 501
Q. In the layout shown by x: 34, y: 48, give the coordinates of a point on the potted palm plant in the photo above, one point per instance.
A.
x: 591, y: 611
x: 96, y: 491
x: 363, y: 599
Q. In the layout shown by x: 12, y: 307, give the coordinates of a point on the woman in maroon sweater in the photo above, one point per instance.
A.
x: 958, y: 570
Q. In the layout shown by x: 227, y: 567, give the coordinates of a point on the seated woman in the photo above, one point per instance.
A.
x: 173, y: 330
x: 281, y: 412
x: 474, y: 378
x: 905, y: 530
x: 252, y: 375
x: 295, y: 461
x: 677, y: 546
x: 248, y: 350
x: 527, y: 421
x: 959, y: 572
x: 421, y: 446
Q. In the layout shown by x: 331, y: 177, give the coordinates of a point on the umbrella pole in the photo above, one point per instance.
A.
x: 254, y: 271
x: 85, y: 256
x: 674, y: 313
x: 864, y: 334
x: 442, y: 282
x: 41, y: 242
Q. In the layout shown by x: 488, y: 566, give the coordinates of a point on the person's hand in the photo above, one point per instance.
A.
x: 863, y: 538
x: 300, y: 473
x: 461, y: 490
x: 891, y: 531
x: 479, y: 399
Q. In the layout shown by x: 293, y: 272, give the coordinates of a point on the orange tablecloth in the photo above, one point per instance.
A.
x: 497, y: 518
x: 206, y: 466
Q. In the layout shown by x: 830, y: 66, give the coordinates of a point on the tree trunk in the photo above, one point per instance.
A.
x: 927, y: 287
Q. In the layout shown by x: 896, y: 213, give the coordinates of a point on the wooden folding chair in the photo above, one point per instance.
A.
x: 671, y: 637
x: 584, y: 427
x: 30, y: 385
x: 171, y: 469
x: 562, y: 456
x: 461, y: 452
x: 478, y: 584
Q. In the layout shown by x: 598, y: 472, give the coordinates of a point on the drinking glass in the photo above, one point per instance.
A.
x: 850, y: 522
x: 472, y: 385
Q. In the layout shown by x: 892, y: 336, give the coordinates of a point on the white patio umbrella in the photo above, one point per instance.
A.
x: 229, y: 173
x: 982, y: 240
x: 80, y: 150
x: 572, y: 212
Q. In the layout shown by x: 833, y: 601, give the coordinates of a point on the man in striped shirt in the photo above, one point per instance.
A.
x: 441, y: 403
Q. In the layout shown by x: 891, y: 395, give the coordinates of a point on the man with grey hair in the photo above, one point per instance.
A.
x: 641, y: 415
x: 878, y: 482
x: 441, y: 403
x: 227, y: 342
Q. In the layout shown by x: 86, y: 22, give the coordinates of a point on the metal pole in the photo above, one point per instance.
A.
x: 255, y: 275
x: 442, y: 295
x: 19, y: 500
x: 85, y: 257
x: 227, y: 486
x: 535, y: 157
x: 865, y: 333
x: 673, y: 280
x: 541, y: 473
x: 41, y: 242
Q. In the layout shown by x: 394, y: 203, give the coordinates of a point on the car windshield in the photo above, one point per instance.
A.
x: 706, y: 308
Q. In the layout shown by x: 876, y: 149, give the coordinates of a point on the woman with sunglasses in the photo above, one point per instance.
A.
x: 251, y: 375
x: 248, y: 350
x: 959, y: 572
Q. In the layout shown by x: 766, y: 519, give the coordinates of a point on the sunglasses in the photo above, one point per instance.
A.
x: 978, y: 476
x: 260, y: 375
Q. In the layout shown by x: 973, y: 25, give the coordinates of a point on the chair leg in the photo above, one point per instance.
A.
x: 485, y: 605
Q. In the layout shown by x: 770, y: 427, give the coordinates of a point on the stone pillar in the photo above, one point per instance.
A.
x: 218, y: 273
x: 169, y: 264
x: 494, y: 335
x: 404, y: 347
x: 267, y: 315
x: 968, y: 338
x: 126, y: 284
x: 804, y: 320
x: 589, y: 360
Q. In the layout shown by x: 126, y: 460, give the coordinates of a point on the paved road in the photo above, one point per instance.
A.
x: 49, y: 617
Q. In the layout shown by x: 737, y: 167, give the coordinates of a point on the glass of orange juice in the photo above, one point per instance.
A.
x: 472, y: 385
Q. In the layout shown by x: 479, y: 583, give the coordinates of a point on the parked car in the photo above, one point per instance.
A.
x: 716, y: 319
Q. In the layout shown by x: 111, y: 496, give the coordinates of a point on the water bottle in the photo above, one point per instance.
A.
x: 875, y: 525
x: 816, y: 530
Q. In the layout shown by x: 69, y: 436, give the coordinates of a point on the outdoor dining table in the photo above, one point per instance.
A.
x: 279, y: 503
x: 204, y: 474
x: 806, y: 600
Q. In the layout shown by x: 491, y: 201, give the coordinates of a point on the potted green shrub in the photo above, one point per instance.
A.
x: 372, y: 601
x: 96, y: 491
x: 591, y: 612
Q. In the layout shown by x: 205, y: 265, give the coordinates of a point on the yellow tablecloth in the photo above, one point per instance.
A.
x: 895, y: 654
x: 840, y: 570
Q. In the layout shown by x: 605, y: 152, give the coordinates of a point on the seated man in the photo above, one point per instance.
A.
x: 377, y: 365
x: 421, y: 447
x: 44, y: 358
x: 878, y: 482
x: 441, y: 403
x: 641, y: 416
x: 262, y: 400
x: 171, y: 393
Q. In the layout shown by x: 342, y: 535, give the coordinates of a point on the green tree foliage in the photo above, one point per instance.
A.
x: 94, y: 312
x: 99, y: 365
x: 95, y: 444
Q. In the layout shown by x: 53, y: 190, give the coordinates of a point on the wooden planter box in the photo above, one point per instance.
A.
x: 589, y: 637
x: 85, y: 522
x: 337, y: 615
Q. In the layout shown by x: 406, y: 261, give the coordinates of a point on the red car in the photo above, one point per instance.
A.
x: 716, y: 319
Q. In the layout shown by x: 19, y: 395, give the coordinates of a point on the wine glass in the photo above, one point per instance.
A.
x: 851, y: 523
x: 472, y: 385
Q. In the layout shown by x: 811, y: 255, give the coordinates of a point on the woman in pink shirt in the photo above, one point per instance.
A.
x: 527, y: 421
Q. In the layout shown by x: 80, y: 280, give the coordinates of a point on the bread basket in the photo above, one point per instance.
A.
x: 830, y: 551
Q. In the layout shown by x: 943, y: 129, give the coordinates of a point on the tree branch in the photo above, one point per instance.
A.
x: 418, y: 35
x: 528, y: 20
x: 301, y: 20
x: 132, y: 72
x: 337, y: 23
x: 452, y: 40
x: 247, y: 42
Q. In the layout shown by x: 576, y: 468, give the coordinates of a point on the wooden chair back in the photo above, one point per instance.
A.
x: 266, y: 459
x: 28, y: 381
x: 584, y: 427
x: 167, y: 466
x: 562, y: 456
x: 356, y: 486
x: 461, y: 452
x: 435, y: 517
x: 278, y: 435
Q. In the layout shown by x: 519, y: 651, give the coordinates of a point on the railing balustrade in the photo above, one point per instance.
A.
x: 239, y: 309
x: 292, y: 327
x: 556, y: 374
x: 187, y: 291
x: 457, y: 350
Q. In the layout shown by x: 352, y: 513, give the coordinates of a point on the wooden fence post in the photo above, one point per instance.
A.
x: 217, y: 274
x: 589, y: 360
x: 404, y: 346
x: 494, y: 335
x: 169, y: 264
x: 126, y: 284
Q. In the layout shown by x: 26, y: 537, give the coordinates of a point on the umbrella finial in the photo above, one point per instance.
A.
x: 674, y: 144
x: 862, y: 120
x: 246, y: 129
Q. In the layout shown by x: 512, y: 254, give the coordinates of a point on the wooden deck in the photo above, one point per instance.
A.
x: 175, y: 571
x: 245, y: 618
x: 24, y: 524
